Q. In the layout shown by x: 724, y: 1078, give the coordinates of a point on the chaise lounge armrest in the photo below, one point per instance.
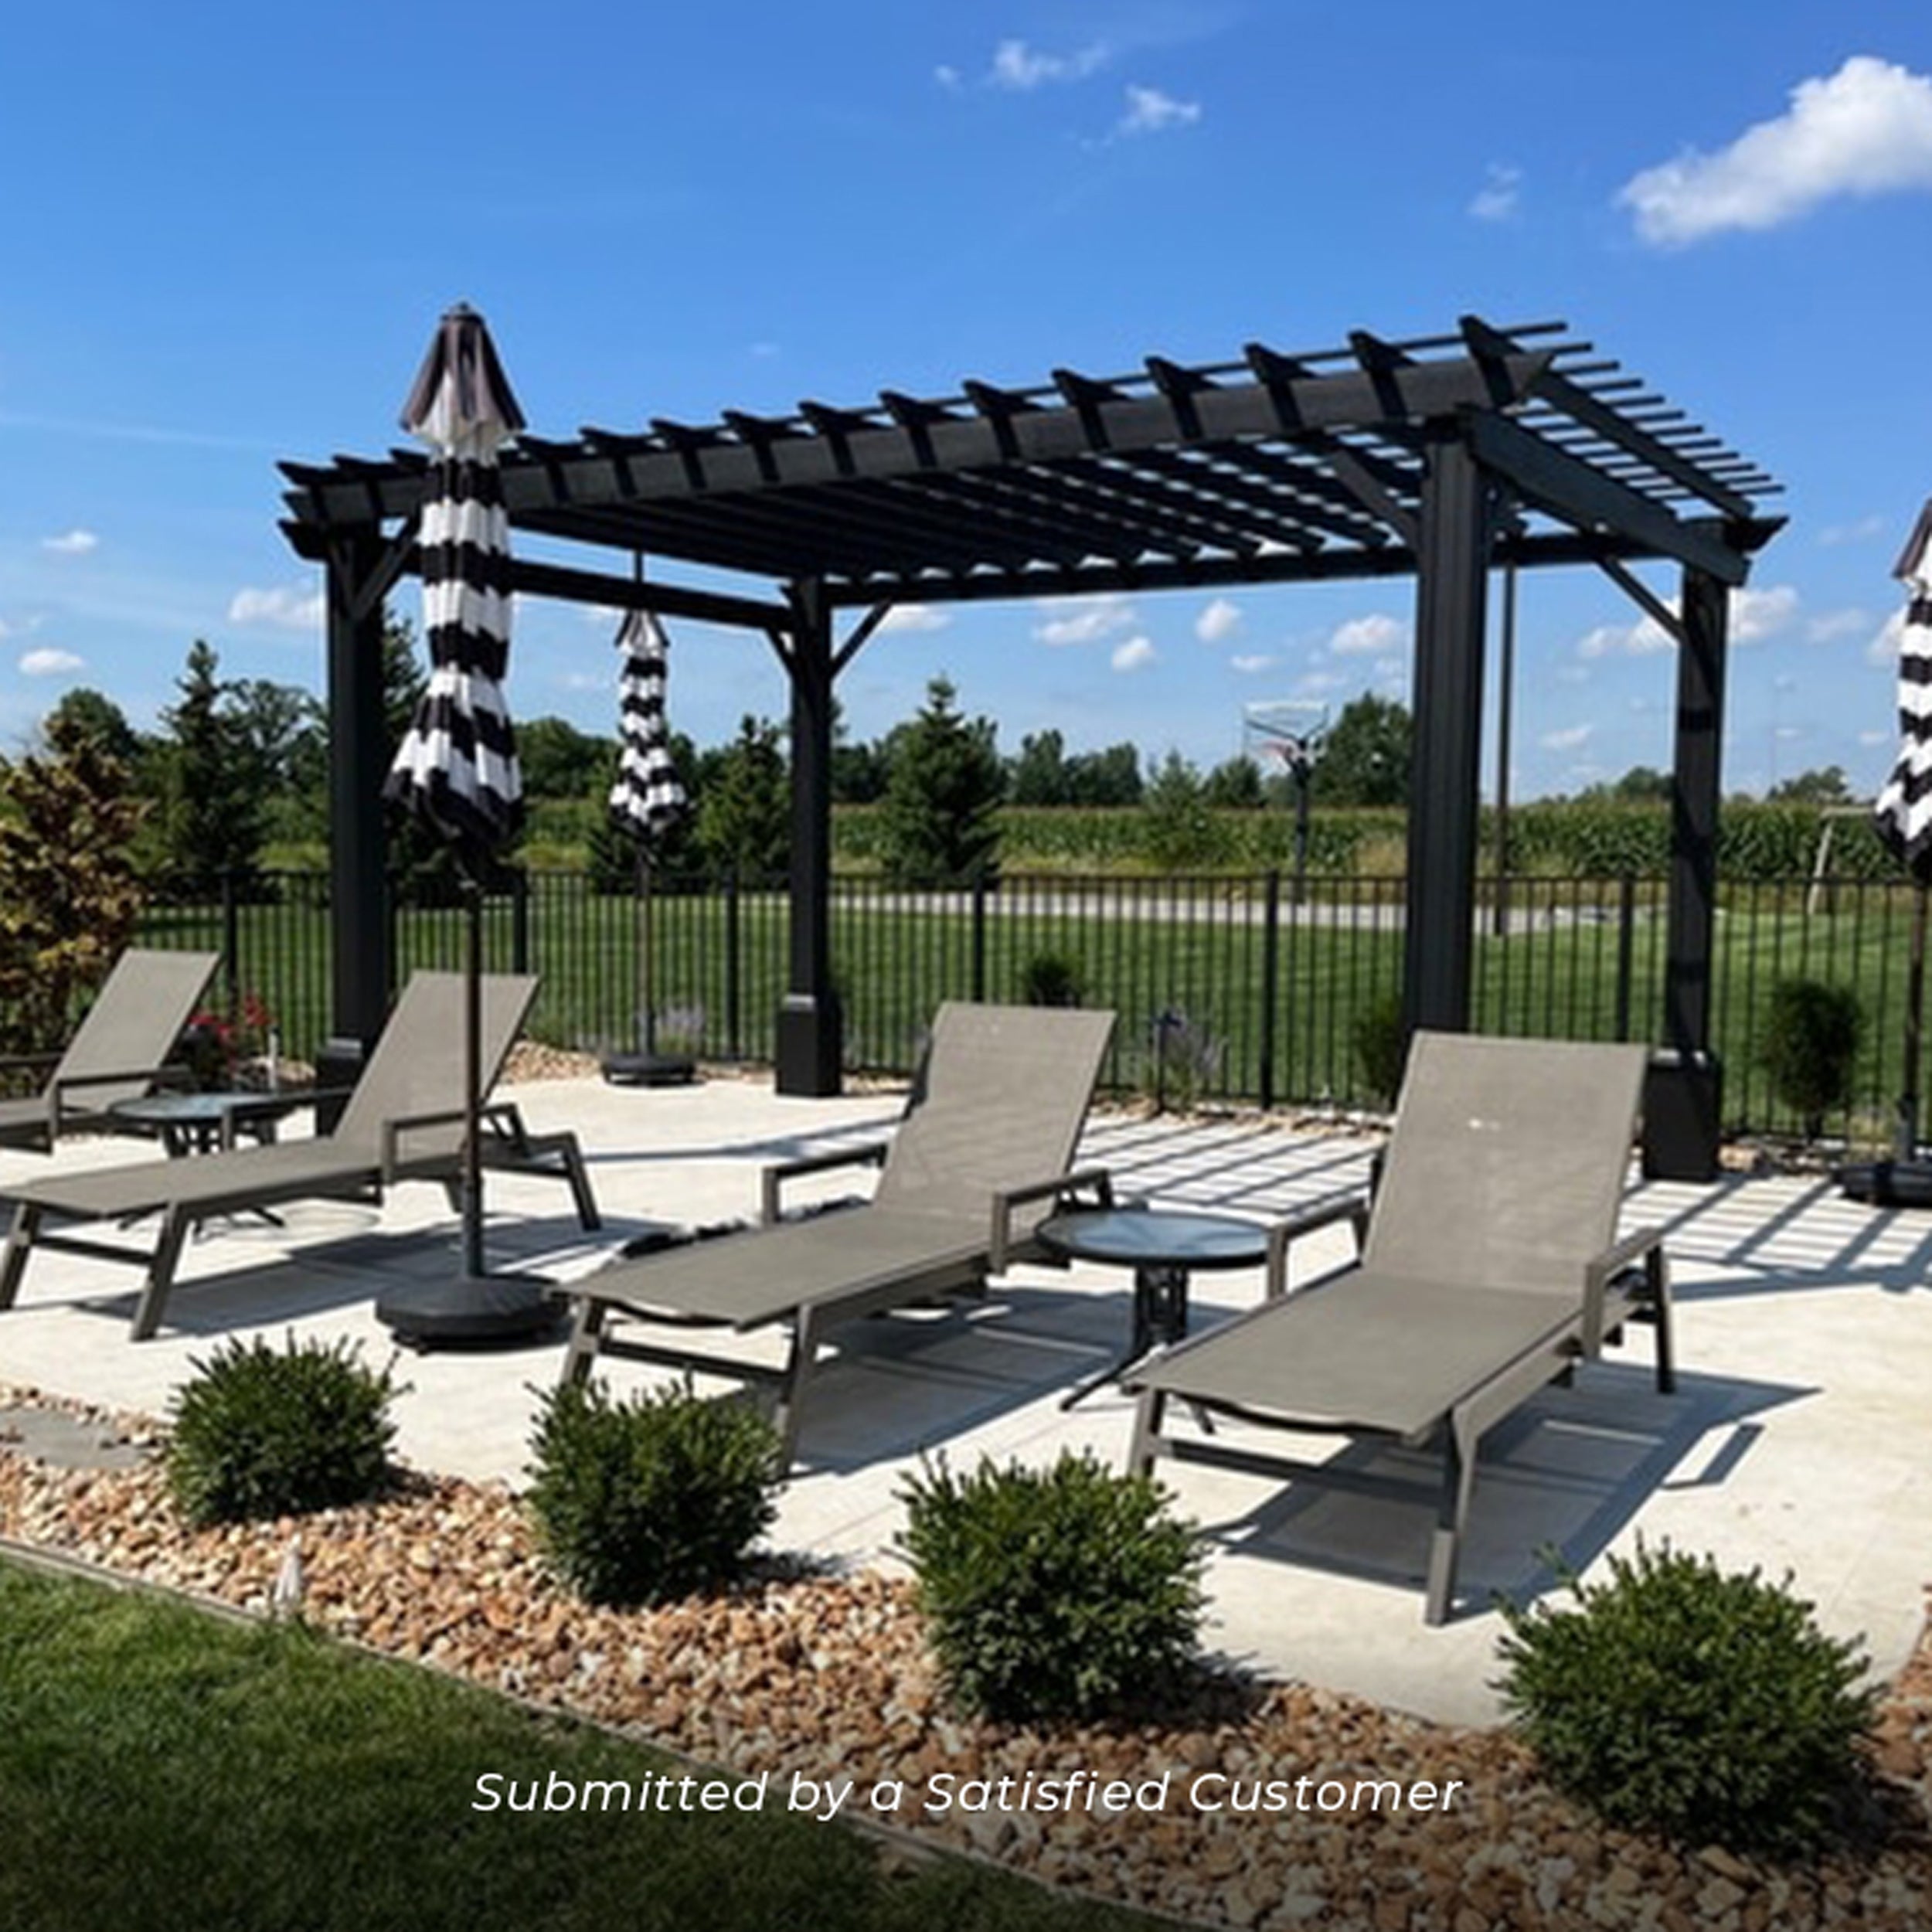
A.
x: 1643, y: 1244
x: 58, y: 1104
x: 774, y: 1177
x: 1000, y: 1244
x: 1351, y: 1207
x: 390, y: 1158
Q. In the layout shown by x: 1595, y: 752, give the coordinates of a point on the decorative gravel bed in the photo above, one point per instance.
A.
x: 824, y: 1678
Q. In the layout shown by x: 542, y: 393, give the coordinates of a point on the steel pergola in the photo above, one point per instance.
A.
x: 1437, y: 457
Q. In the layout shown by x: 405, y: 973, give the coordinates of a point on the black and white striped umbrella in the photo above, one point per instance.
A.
x: 1904, y: 808
x: 456, y: 769
x: 647, y: 798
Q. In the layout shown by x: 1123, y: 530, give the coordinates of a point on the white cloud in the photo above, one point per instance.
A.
x: 1757, y: 614
x: 1249, y: 664
x: 1218, y: 622
x: 1829, y: 626
x: 1865, y: 130
x: 1317, y: 681
x: 947, y: 77
x: 1131, y: 655
x: 1567, y: 740
x: 1151, y: 112
x: 293, y: 609
x: 1875, y: 738
x: 49, y: 663
x: 74, y: 544
x: 1862, y: 531
x: 1085, y: 619
x: 1754, y: 616
x: 1376, y: 632
x: 1500, y: 195
x: 1020, y: 69
x: 1884, y: 648
x: 915, y: 616
x: 1637, y: 639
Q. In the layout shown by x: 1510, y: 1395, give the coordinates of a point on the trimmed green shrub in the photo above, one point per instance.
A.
x: 261, y: 1432
x: 1069, y: 1592
x: 1677, y: 1698
x: 1808, y: 1045
x: 1381, y: 1044
x: 1053, y: 979
x: 658, y: 1496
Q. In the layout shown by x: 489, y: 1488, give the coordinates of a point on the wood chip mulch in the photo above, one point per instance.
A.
x: 825, y: 1677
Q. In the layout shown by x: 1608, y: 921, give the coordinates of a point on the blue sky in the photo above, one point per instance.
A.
x: 228, y: 231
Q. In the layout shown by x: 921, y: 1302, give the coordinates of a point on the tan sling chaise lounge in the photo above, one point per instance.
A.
x: 1491, y: 1265
x: 117, y: 1051
x: 978, y: 1161
x: 403, y: 1121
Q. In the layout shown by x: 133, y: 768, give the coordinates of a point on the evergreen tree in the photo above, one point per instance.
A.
x: 744, y: 812
x: 216, y: 788
x: 1179, y: 828
x: 68, y: 895
x: 942, y: 802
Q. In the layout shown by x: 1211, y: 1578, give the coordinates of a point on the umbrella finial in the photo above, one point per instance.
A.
x: 460, y: 403
x: 1914, y: 565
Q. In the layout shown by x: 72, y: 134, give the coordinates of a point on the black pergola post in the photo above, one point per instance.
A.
x: 1694, y: 794
x: 811, y: 1024
x: 1452, y: 563
x: 360, y: 965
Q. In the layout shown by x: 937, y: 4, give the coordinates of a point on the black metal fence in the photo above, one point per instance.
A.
x: 1228, y: 989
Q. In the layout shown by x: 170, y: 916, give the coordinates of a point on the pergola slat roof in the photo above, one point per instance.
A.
x: 1274, y: 468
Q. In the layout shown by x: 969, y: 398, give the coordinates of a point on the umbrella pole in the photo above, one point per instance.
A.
x: 644, y: 974
x: 1907, y: 1145
x: 473, y: 1082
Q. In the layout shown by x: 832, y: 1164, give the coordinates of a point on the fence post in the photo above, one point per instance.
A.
x: 979, y: 937
x: 1626, y: 949
x: 1270, y: 981
x: 519, y: 919
x: 231, y: 941
x: 734, y: 976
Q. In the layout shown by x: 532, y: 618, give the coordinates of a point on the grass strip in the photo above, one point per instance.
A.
x: 162, y: 1768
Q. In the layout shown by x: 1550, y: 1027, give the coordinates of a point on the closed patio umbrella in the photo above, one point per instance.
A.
x: 647, y: 801
x: 1902, y: 818
x: 456, y: 770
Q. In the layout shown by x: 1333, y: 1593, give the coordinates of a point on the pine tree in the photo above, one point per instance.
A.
x: 941, y: 824
x: 744, y: 809
x: 215, y: 791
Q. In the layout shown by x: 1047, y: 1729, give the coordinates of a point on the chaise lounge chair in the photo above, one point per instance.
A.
x: 977, y: 1163
x: 117, y: 1051
x: 1490, y: 1266
x: 403, y: 1121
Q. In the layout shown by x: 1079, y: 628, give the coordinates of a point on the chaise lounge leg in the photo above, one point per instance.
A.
x: 586, y: 1333
x: 1147, y: 1429
x: 26, y: 1222
x: 805, y: 1332
x: 1458, y: 1480
x: 1657, y: 1267
x: 161, y: 1273
x: 588, y: 1218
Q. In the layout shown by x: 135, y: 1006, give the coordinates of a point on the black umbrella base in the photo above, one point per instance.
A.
x: 470, y: 1310
x: 1888, y: 1183
x: 649, y: 1069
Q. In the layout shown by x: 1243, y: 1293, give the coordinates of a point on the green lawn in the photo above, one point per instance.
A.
x: 1143, y: 947
x: 161, y: 1769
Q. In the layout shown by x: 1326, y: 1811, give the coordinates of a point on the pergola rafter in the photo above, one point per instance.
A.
x: 1438, y: 457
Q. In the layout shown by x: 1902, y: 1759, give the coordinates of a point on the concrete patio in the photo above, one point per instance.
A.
x: 1800, y: 1438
